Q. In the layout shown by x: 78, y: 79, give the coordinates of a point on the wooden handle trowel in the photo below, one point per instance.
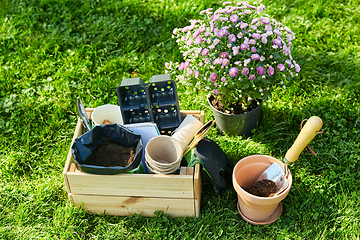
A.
x: 277, y: 173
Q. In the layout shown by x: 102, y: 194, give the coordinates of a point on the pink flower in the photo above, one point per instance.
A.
x: 264, y: 40
x: 252, y: 41
x: 215, y: 84
x: 260, y: 70
x: 239, y: 35
x: 234, y: 18
x: 216, y: 17
x: 297, y: 68
x: 186, y: 65
x: 288, y: 62
x: 268, y: 28
x: 196, y: 74
x: 223, y: 32
x: 216, y: 41
x: 212, y: 46
x: 253, y: 27
x: 223, y: 79
x: 256, y: 36
x: 277, y: 42
x: 245, y: 71
x: 235, y: 51
x: 207, y: 34
x: 167, y: 65
x: 253, y: 49
x: 281, y: 67
x: 205, y: 52
x: 224, y: 55
x: 233, y: 71
x: 244, y: 46
x: 265, y: 20
x: 189, y: 42
x: 289, y: 37
x: 255, y: 56
x: 261, y: 8
x: 196, y: 33
x: 252, y: 77
x: 198, y: 40
x: 181, y: 66
x: 232, y: 38
x: 225, y: 62
x: 255, y: 20
x: 247, y: 11
x: 277, y: 32
x: 216, y: 92
x: 213, y: 77
x: 217, y: 61
x: 201, y: 64
x: 243, y: 25
x: 206, y: 60
x: 270, y: 71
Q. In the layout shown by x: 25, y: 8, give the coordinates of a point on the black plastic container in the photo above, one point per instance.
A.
x: 87, y: 143
x: 156, y: 101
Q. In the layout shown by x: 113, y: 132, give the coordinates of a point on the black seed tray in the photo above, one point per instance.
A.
x: 156, y: 101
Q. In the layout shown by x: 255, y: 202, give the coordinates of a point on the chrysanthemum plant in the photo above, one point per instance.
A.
x: 236, y: 53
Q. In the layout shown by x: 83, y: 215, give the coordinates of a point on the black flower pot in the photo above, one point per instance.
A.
x: 240, y: 124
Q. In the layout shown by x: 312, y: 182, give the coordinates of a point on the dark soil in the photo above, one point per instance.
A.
x: 111, y: 155
x: 263, y: 188
x: 234, y: 108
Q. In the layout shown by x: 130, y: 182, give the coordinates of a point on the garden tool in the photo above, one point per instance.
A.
x: 82, y: 114
x: 279, y: 174
x: 200, y: 134
x: 217, y: 166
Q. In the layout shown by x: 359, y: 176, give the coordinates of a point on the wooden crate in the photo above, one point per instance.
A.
x: 126, y: 194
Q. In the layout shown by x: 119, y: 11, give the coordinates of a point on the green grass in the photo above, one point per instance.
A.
x: 53, y: 51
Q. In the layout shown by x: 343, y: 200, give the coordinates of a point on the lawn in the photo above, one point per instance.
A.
x: 53, y: 51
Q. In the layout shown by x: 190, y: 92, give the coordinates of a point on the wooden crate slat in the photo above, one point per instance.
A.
x: 130, y: 205
x: 140, y: 185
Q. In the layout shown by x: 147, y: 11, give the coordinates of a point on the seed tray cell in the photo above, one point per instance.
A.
x: 162, y: 93
x: 166, y: 116
x: 137, y: 115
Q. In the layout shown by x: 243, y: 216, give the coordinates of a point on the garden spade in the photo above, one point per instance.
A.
x: 82, y: 114
x: 279, y: 174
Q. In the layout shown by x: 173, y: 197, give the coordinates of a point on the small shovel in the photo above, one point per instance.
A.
x: 279, y: 174
x: 82, y: 114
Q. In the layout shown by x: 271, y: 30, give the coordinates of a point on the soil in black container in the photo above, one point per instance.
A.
x: 111, y: 155
x: 263, y: 188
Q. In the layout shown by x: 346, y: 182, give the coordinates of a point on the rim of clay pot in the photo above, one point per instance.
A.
x: 251, y: 197
x: 212, y: 107
x: 159, y: 164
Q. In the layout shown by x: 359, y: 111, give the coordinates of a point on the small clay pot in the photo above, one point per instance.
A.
x: 258, y: 210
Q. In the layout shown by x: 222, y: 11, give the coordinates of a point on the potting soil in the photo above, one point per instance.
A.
x: 263, y: 188
x: 234, y: 108
x: 111, y: 155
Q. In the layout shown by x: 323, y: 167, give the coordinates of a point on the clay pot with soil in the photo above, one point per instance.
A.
x: 257, y: 210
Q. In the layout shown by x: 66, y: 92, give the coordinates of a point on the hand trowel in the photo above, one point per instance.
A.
x: 279, y: 174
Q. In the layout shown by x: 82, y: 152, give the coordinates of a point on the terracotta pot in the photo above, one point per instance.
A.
x: 240, y: 124
x: 254, y: 209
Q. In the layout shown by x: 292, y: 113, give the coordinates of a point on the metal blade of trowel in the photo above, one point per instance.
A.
x: 279, y: 174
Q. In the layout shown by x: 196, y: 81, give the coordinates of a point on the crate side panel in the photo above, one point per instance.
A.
x: 137, y: 185
x: 129, y: 205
